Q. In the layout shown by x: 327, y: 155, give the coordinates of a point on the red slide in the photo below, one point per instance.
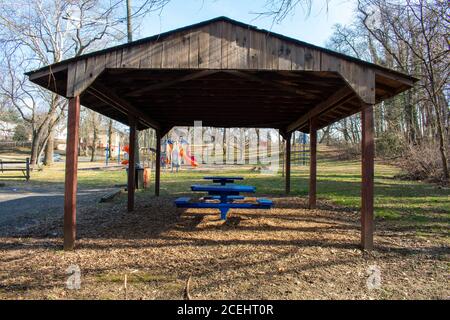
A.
x: 188, y: 157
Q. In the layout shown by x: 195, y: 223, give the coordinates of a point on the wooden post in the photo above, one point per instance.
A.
x: 158, y: 162
x: 367, y: 187
x: 70, y: 187
x: 288, y: 163
x: 312, y: 162
x: 131, y: 163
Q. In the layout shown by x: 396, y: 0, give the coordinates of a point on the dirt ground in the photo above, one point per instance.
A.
x: 288, y: 252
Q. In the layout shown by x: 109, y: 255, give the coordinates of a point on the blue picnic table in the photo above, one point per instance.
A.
x: 231, y: 192
x: 226, y: 194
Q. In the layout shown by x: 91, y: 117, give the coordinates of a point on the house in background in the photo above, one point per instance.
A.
x: 7, y: 130
x: 118, y: 138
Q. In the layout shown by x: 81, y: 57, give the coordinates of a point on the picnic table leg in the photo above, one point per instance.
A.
x: 223, y: 198
x: 223, y: 213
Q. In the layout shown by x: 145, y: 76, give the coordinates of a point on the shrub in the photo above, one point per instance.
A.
x: 20, y: 133
x: 390, y: 145
x: 349, y: 151
x: 423, y: 162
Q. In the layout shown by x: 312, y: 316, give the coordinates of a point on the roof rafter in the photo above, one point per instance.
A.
x: 272, y: 83
x: 340, y: 97
x: 116, y: 102
x: 158, y: 86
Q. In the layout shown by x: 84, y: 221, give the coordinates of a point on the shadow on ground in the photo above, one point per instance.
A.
x: 288, y: 252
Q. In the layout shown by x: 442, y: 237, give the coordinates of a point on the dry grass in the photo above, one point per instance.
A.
x: 288, y: 252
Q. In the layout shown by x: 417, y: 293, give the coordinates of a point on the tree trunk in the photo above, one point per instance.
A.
x: 213, y: 153
x: 110, y: 138
x: 137, y: 148
x: 257, y: 146
x: 94, y: 146
x: 326, y: 133
x: 410, y: 119
x: 49, y: 147
x: 442, y: 145
x: 129, y: 27
x: 34, y: 149
x: 224, y: 145
x: 130, y: 39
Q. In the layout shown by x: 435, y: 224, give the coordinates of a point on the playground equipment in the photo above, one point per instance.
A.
x: 110, y: 150
x: 126, y: 149
x: 176, y: 153
x: 186, y: 154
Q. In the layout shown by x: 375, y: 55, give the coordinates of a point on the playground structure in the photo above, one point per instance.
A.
x: 299, y: 150
x: 175, y: 153
x: 111, y: 150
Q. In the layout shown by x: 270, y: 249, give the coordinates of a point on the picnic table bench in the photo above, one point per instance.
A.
x: 224, y: 196
x: 5, y: 167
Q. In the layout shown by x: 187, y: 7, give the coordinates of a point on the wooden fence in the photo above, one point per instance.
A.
x: 14, y: 144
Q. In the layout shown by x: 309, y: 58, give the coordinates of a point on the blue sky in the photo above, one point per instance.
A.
x: 315, y: 29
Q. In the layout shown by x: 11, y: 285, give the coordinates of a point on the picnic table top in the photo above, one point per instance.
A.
x: 223, y: 189
x: 221, y: 178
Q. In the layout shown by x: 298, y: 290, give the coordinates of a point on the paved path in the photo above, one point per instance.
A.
x: 24, y: 206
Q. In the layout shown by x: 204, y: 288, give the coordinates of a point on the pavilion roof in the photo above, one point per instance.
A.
x: 224, y: 73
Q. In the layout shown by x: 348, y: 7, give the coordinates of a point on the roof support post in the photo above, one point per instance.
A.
x: 288, y: 162
x: 131, y: 163
x: 367, y: 187
x: 70, y: 186
x: 312, y: 162
x: 158, y: 162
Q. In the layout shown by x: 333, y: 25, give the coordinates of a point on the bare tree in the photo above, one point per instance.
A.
x: 280, y: 9
x: 414, y: 34
x: 410, y: 36
x: 143, y: 8
x: 42, y: 32
x: 27, y: 100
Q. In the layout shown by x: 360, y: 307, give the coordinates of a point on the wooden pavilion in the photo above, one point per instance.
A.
x: 226, y: 74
